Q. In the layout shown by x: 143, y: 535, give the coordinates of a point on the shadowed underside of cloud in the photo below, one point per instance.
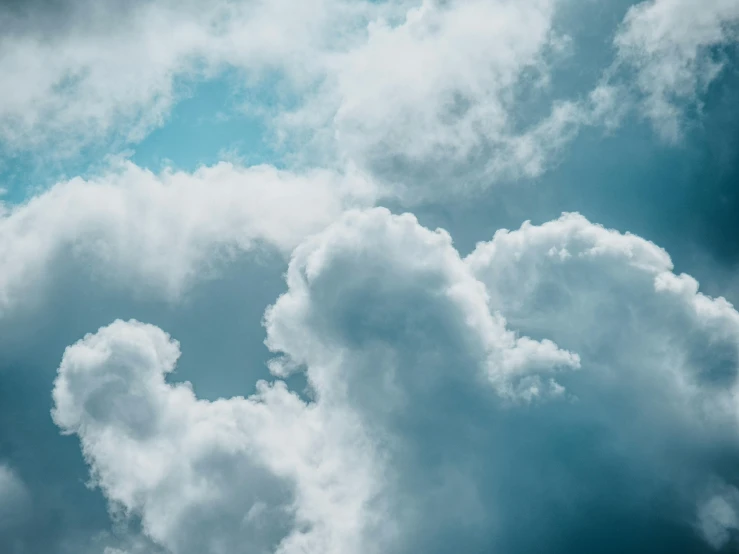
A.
x: 559, y: 390
x: 416, y: 93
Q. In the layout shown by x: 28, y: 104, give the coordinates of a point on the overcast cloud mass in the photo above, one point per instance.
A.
x: 369, y: 277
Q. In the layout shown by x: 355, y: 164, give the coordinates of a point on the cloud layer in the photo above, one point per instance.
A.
x: 160, y: 233
x: 430, y: 97
x: 85, y: 70
x: 434, y: 421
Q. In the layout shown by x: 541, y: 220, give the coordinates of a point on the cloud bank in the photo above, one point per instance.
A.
x: 162, y: 232
x: 558, y: 378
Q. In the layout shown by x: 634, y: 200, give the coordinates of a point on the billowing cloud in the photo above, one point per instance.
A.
x: 676, y: 48
x: 159, y: 232
x: 440, y: 101
x: 440, y: 415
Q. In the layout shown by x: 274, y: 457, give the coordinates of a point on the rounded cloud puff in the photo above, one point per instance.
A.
x: 557, y: 388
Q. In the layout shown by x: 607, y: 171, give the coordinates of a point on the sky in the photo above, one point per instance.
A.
x: 369, y: 276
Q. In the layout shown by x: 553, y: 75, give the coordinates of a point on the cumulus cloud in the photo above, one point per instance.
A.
x: 675, y: 47
x: 719, y: 516
x: 441, y: 415
x: 160, y: 232
x: 271, y: 470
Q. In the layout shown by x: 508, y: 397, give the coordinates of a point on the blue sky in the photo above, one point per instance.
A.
x: 350, y: 277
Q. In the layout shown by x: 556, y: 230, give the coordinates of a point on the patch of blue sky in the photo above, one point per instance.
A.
x: 217, y: 120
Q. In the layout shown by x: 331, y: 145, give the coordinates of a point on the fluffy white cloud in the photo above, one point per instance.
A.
x: 192, y: 468
x: 161, y: 231
x: 675, y: 48
x: 420, y: 433
x: 360, y: 298
x: 271, y: 469
x: 441, y: 96
x: 417, y: 92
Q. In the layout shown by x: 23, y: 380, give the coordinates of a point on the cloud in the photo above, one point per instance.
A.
x: 410, y: 277
x: 15, y: 507
x: 161, y: 232
x: 76, y: 72
x: 440, y: 414
x: 445, y: 95
x: 207, y: 476
x: 676, y: 50
x: 418, y: 93
x: 203, y: 476
x: 719, y: 516
x: 15, y: 501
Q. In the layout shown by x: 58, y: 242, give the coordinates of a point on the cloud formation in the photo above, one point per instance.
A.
x: 421, y: 94
x: 561, y: 389
x: 440, y: 97
x: 77, y: 72
x: 440, y: 413
x: 161, y: 232
x: 417, y: 93
x: 677, y: 48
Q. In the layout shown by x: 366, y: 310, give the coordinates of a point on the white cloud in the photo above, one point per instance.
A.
x: 111, y: 67
x: 210, y: 477
x: 429, y: 96
x: 404, y: 276
x: 675, y: 48
x: 435, y: 103
x: 424, y: 94
x: 161, y: 232
x: 416, y: 437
